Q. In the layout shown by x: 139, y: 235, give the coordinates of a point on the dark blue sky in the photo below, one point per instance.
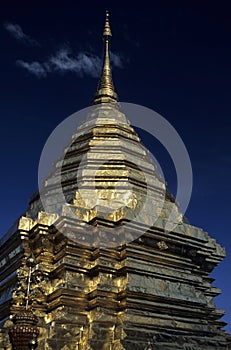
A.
x: 171, y: 56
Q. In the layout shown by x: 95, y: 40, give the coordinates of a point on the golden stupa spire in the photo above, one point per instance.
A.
x: 105, y: 91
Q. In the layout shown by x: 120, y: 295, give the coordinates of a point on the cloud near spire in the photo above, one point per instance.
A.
x: 82, y: 64
x: 64, y: 61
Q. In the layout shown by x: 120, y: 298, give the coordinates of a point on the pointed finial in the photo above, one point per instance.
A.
x: 105, y: 91
x: 107, y: 29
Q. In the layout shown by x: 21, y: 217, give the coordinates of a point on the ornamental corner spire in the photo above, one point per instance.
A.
x: 105, y: 91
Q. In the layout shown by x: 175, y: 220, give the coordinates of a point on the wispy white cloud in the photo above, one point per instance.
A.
x: 35, y: 68
x: 64, y: 61
x: 82, y: 64
x: 16, y: 31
